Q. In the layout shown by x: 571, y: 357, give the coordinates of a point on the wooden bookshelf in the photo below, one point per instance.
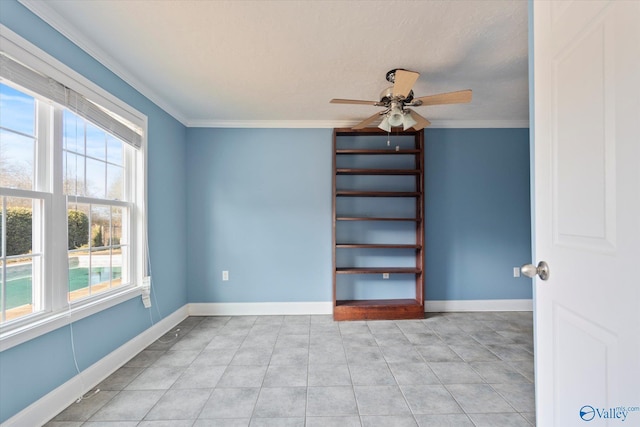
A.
x: 370, y: 309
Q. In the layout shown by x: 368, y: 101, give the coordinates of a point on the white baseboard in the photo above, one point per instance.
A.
x: 259, y: 308
x: 326, y: 307
x: 48, y: 406
x: 479, y: 305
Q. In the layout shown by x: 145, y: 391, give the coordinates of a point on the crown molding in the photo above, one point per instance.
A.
x: 481, y: 124
x: 51, y: 17
x: 322, y: 124
x: 271, y: 124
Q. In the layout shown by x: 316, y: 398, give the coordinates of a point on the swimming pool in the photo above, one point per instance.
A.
x: 19, y: 290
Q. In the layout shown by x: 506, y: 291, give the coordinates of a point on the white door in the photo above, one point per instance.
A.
x: 587, y: 212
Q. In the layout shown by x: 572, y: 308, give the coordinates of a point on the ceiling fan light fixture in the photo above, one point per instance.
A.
x: 396, y: 118
x: 384, y: 125
x: 395, y: 115
x: 408, y: 121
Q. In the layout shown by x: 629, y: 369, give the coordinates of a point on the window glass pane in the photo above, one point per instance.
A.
x: 73, y: 132
x: 100, y: 224
x: 73, y: 169
x: 116, y: 225
x: 100, y: 271
x: 78, y: 274
x: 16, y: 160
x: 17, y: 110
x: 79, y: 259
x: 95, y: 183
x: 19, y: 226
x: 22, y: 280
x: 114, y: 150
x: 116, y: 267
x: 78, y: 226
x: 115, y: 182
x: 100, y: 264
x: 20, y: 288
x: 96, y: 142
x: 98, y: 172
x: 124, y: 237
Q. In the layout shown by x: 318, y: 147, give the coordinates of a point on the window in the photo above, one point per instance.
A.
x: 98, y: 207
x: 23, y: 207
x: 72, y: 182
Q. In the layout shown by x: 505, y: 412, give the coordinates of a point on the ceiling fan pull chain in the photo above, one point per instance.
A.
x: 388, y: 139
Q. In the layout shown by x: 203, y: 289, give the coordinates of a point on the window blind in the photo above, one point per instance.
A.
x: 74, y: 101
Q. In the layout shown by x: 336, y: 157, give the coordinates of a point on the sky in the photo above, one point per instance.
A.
x: 92, y: 158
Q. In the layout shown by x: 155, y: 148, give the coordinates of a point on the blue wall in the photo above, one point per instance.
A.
x: 478, y: 222
x: 259, y: 206
x: 268, y: 218
x: 31, y: 370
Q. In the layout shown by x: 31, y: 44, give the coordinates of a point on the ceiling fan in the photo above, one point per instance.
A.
x: 397, y: 98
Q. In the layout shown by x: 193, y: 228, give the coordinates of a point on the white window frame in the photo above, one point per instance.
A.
x: 58, y: 311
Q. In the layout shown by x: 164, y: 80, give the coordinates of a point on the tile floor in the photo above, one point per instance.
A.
x: 451, y: 369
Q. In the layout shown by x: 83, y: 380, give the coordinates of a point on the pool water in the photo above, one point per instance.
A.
x: 19, y: 289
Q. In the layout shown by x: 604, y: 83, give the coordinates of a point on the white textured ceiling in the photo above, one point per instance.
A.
x: 228, y: 63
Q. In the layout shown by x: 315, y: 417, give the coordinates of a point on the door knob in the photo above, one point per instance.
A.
x: 531, y: 270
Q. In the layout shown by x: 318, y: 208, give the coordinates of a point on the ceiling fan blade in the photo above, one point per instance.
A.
x: 363, y: 124
x: 421, y: 122
x: 404, y: 81
x: 459, y: 97
x: 352, y: 101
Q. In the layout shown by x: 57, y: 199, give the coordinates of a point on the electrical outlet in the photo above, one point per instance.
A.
x: 385, y: 275
x: 225, y: 275
x: 516, y: 271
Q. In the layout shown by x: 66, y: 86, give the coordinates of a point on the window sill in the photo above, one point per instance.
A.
x: 47, y: 322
